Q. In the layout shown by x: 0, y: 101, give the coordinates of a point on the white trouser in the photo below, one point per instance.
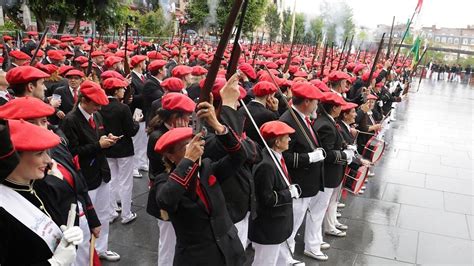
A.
x: 100, y: 198
x: 243, y: 229
x: 330, y: 220
x: 313, y: 236
x: 82, y: 253
x: 265, y: 255
x: 166, y: 243
x: 300, y: 206
x: 121, y: 184
x: 434, y: 76
x: 139, y: 146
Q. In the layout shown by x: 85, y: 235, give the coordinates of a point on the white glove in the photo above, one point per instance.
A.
x: 349, y: 155
x: 64, y: 254
x: 352, y: 148
x: 316, y: 156
x: 294, y: 191
x: 73, y: 235
x: 380, y: 103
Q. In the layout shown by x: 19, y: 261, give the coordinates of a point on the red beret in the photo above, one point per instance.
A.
x: 114, y: 83
x: 94, y: 92
x: 350, y: 66
x: 263, y: 88
x: 55, y: 55
x: 181, y: 71
x: 172, y: 84
x: 173, y: 137
x: 48, y: 68
x: 348, y: 106
x: 54, y: 41
x: 379, y: 85
x: 320, y: 85
x: 358, y: 68
x: 112, y: 60
x: 40, y: 53
x: 338, y: 75
x: 156, y: 64
x: 333, y: 98
x: 112, y: 46
x: 97, y: 53
x: 17, y: 54
x: 23, y: 139
x: 64, y: 69
x: 293, y: 69
x: 111, y: 74
x: 66, y: 38
x: 365, y: 76
x: 306, y: 90
x: 272, y: 65
x: 154, y: 55
x: 24, y: 74
x: 7, y: 38
x: 371, y: 97
x: 273, y: 129
x: 198, y: 71
x: 137, y: 59
x: 174, y: 52
x: 1, y: 60
x: 81, y: 59
x: 75, y: 72
x: 202, y: 57
x: 34, y: 33
x: 25, y: 108
x: 248, y: 70
x: 300, y: 73
x: 174, y: 101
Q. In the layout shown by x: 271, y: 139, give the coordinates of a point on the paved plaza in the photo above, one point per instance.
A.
x: 417, y: 209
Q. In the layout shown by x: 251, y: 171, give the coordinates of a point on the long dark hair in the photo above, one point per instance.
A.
x: 161, y: 117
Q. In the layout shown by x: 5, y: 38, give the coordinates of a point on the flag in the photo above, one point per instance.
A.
x: 418, y: 6
x: 415, y: 49
x: 407, y: 30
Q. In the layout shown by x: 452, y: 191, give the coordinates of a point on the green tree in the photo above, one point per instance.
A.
x: 299, y: 31
x: 198, y: 11
x: 155, y: 24
x: 315, y: 29
x: 273, y: 22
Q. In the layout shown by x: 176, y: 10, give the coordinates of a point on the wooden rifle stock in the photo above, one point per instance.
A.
x: 89, y: 59
x: 348, y: 53
x: 342, y: 53
x: 315, y: 52
x: 237, y: 49
x: 377, y: 55
x: 216, y: 61
x: 288, y: 59
x: 323, y: 62
x: 35, y: 54
x: 126, y: 66
x: 387, y: 56
x: 257, y: 50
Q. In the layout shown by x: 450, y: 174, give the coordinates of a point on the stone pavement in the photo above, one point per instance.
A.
x: 418, y: 209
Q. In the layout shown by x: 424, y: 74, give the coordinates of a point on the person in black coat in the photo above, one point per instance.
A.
x: 274, y: 222
x: 191, y: 194
x: 27, y: 198
x: 69, y: 95
x: 264, y: 108
x: 366, y: 124
x: 152, y: 89
x: 337, y: 156
x: 85, y: 131
x: 118, y: 121
x: 304, y: 159
x: 174, y: 113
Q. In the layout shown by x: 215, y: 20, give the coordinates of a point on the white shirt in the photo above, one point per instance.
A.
x: 72, y: 91
x: 139, y: 74
x: 347, y: 126
x: 84, y: 113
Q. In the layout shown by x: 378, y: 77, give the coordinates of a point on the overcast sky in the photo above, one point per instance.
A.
x: 442, y: 13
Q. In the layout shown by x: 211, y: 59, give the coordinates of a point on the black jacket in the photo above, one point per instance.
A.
x: 332, y: 143
x: 309, y: 176
x: 261, y: 115
x: 363, y: 123
x: 274, y: 221
x: 137, y: 85
x: 151, y: 91
x: 345, y: 133
x: 203, y: 237
x: 67, y: 102
x: 84, y: 142
x: 118, y: 121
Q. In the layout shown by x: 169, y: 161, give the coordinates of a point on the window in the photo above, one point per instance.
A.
x: 450, y: 40
x: 465, y: 41
x: 456, y: 41
x: 430, y: 36
x: 437, y: 39
x: 443, y: 39
x: 472, y: 41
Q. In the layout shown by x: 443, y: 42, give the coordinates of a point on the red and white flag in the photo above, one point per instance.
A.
x: 418, y: 6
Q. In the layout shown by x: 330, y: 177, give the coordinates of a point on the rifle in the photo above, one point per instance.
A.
x: 89, y: 64
x: 126, y: 66
x: 288, y: 59
x: 237, y: 49
x: 377, y: 55
x: 421, y: 76
x: 365, y: 55
x: 331, y: 56
x: 180, y: 45
x: 251, y: 47
x: 387, y: 56
x: 216, y: 61
x: 137, y: 51
x: 348, y: 53
x: 342, y: 53
x: 6, y: 61
x: 358, y: 51
x: 257, y: 50
x: 323, y: 62
x: 315, y: 52
x: 39, y: 46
